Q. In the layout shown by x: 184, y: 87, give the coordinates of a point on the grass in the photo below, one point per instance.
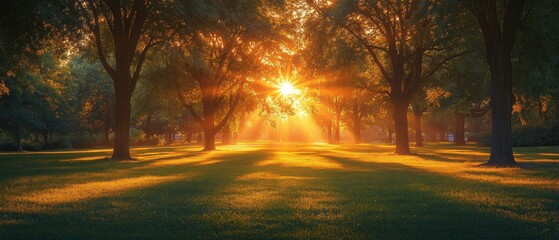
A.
x: 279, y: 191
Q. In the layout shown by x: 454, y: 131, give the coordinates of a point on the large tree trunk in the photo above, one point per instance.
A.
x: 418, y: 131
x: 459, y: 136
x: 209, y: 140
x: 209, y: 131
x: 501, y: 113
x: 499, y: 32
x: 121, y: 147
x: 401, y: 128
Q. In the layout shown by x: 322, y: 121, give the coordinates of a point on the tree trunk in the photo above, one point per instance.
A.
x: 209, y: 130
x: 337, y: 127
x: 357, y: 133
x: 356, y: 124
x: 418, y: 131
x: 19, y: 145
x: 46, y: 139
x: 209, y: 141
x: 499, y: 33
x: 148, y: 130
x: 501, y: 115
x: 401, y: 128
x: 121, y: 147
x: 459, y: 136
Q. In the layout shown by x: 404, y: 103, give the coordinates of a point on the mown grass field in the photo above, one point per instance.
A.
x: 279, y: 191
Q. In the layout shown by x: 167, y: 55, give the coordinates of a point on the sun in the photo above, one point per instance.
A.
x: 286, y: 89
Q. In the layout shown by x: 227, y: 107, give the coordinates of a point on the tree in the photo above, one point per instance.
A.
x: 219, y: 55
x: 468, y: 91
x: 499, y: 25
x: 134, y: 27
x: 25, y: 27
x: 408, y: 41
x: 156, y: 108
x: 37, y: 101
x: 95, y: 96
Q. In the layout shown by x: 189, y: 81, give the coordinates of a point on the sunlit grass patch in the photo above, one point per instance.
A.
x: 90, y: 158
x: 270, y: 176
x: 526, y: 209
x: 294, y: 159
x: 80, y: 192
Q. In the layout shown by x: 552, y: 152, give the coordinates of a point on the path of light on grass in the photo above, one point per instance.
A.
x: 79, y: 192
x: 462, y: 163
x: 294, y: 159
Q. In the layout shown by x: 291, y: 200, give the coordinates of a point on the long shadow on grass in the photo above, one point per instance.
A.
x: 428, y: 198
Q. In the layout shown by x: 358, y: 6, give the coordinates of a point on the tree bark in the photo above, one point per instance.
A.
x: 401, y: 128
x: 121, y: 146
x: 459, y: 135
x: 501, y: 115
x: 209, y: 129
x: 209, y: 141
x: 418, y: 131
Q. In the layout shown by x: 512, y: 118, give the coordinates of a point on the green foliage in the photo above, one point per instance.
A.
x: 526, y: 137
x: 37, y: 101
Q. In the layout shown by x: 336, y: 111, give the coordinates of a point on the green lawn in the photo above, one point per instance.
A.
x: 281, y: 191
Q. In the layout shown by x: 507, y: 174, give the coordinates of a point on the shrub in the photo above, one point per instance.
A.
x: 483, y: 139
x: 88, y: 141
x: 527, y: 136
